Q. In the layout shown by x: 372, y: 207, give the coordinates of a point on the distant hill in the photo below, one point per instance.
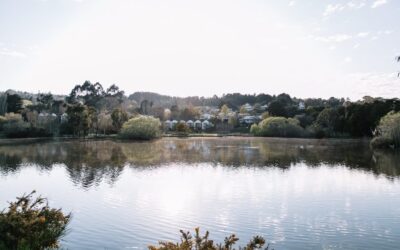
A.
x: 168, y: 101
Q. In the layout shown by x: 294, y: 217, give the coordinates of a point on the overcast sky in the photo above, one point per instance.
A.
x: 307, y: 48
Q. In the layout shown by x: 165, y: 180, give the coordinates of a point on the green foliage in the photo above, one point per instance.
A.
x: 182, y: 128
x: 388, y: 131
x: 3, y: 104
x: 380, y: 142
x: 142, y: 128
x: 277, y: 108
x: 94, y: 95
x: 14, y: 103
x: 78, y: 119
x: 198, y: 242
x: 15, y: 127
x: 30, y: 223
x: 279, y: 127
x: 361, y: 119
x: 46, y: 100
x: 327, y: 123
x: 189, y: 113
x: 118, y: 117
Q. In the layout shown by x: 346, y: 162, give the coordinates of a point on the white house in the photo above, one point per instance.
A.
x: 168, y: 124
x: 264, y: 107
x: 302, y: 105
x: 206, y: 116
x: 205, y: 125
x: 248, y: 107
x: 190, y: 124
x: 174, y: 123
x: 249, y: 119
x: 197, y: 124
x: 64, y: 118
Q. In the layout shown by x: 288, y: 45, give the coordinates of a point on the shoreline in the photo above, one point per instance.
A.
x: 17, y: 141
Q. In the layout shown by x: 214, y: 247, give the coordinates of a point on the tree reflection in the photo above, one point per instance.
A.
x: 90, y: 162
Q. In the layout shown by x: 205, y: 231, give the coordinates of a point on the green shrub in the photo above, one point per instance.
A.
x: 3, y: 121
x: 279, y: 127
x: 388, y: 131
x: 182, y: 128
x: 380, y: 142
x: 15, y: 126
x: 198, y: 242
x: 31, y: 224
x: 141, y: 127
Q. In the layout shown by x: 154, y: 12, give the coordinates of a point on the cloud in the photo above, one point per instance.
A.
x: 292, y: 3
x: 378, y: 3
x: 385, y: 32
x: 363, y: 34
x: 12, y: 53
x: 334, y: 38
x: 334, y: 8
x: 348, y: 59
x: 380, y: 84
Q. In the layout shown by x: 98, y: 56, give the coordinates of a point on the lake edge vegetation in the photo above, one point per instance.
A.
x: 199, y: 242
x: 30, y: 224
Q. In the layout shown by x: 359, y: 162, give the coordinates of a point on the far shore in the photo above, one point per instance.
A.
x: 16, y: 141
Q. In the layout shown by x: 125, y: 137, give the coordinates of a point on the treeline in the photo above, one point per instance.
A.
x: 92, y: 109
x: 234, y: 100
x: 336, y: 118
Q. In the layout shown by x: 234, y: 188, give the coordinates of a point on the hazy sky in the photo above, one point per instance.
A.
x: 306, y: 48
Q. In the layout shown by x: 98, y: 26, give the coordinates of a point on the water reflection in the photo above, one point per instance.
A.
x: 90, y: 162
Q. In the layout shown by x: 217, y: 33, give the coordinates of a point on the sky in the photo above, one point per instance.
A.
x: 307, y: 48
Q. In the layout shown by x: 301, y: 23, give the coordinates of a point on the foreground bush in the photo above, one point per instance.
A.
x: 388, y: 131
x: 141, y: 127
x: 198, y: 242
x: 278, y: 127
x: 31, y: 224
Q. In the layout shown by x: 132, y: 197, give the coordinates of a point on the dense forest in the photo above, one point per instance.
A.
x: 92, y: 109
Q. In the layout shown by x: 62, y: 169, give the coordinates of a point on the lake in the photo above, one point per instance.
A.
x: 298, y: 194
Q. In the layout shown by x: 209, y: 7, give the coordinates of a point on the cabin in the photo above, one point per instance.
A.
x: 248, y: 107
x: 64, y: 118
x: 249, y: 120
x: 197, y: 124
x: 190, y: 124
x: 168, y: 125
x: 174, y: 123
x: 206, y: 125
x: 206, y: 116
x: 301, y: 106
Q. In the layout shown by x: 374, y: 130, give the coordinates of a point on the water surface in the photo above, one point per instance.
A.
x: 298, y: 194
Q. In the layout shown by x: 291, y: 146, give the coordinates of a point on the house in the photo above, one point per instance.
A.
x: 206, y: 125
x: 206, y: 116
x: 64, y: 118
x: 249, y: 120
x: 190, y: 124
x: 248, y: 107
x: 168, y: 124
x: 264, y: 107
x: 174, y: 123
x: 302, y: 105
x: 197, y: 124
